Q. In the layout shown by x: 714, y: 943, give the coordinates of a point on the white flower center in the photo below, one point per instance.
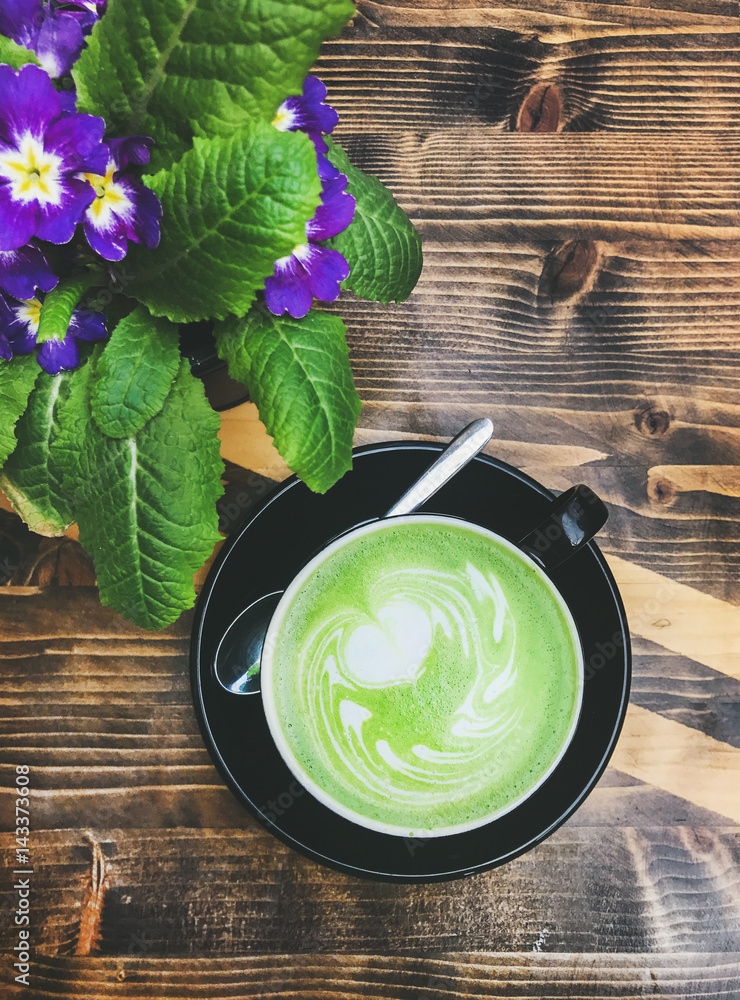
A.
x: 111, y: 199
x: 30, y: 313
x: 284, y: 120
x: 33, y: 173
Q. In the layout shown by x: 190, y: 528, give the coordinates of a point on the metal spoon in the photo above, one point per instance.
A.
x: 237, y: 659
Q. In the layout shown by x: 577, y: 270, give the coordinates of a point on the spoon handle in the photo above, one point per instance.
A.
x: 458, y: 453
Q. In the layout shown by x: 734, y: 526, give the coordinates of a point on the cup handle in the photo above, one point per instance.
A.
x: 574, y: 518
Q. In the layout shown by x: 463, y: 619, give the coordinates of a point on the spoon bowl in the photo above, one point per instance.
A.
x: 237, y: 660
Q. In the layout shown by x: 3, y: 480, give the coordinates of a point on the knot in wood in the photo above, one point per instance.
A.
x: 652, y: 422
x: 569, y: 271
x: 541, y: 110
x: 662, y: 491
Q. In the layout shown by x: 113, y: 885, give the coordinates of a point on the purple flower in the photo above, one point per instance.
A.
x: 23, y: 271
x: 68, y: 101
x: 123, y: 209
x: 312, y: 271
x: 335, y: 212
x: 131, y: 149
x: 6, y: 351
x: 54, y: 30
x: 55, y: 36
x: 307, y: 113
x: 309, y: 273
x: 41, y: 152
x: 19, y: 323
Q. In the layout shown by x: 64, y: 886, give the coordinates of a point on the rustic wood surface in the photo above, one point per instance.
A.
x: 575, y: 172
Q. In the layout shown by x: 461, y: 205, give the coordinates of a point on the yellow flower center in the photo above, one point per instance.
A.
x: 30, y: 312
x: 283, y: 119
x: 33, y: 172
x: 106, y: 191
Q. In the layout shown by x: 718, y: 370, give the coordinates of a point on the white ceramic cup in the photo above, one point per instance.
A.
x: 268, y: 667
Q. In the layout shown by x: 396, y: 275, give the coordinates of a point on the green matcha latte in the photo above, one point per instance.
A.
x: 421, y: 676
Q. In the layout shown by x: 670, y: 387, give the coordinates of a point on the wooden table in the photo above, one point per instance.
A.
x: 574, y: 170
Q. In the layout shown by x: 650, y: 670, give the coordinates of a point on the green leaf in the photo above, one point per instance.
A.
x: 72, y: 427
x: 61, y: 302
x: 176, y: 69
x: 31, y: 477
x: 298, y: 373
x: 135, y: 373
x: 232, y: 207
x: 15, y: 55
x: 148, y: 515
x: 17, y: 379
x: 381, y: 245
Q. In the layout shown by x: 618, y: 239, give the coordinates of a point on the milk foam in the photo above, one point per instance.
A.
x: 428, y: 673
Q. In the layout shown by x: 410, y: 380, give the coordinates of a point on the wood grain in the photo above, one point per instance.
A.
x: 557, y: 185
x: 550, y: 17
x: 477, y: 330
x: 666, y: 482
x: 684, y: 691
x: 666, y: 612
x: 479, y: 976
x: 598, y: 889
x: 398, y: 79
x: 672, y: 756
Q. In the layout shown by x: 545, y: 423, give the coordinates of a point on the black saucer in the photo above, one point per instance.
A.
x: 266, y: 553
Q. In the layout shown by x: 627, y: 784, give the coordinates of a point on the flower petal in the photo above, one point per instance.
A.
x: 147, y: 216
x: 23, y: 271
x: 56, y: 356
x: 326, y: 268
x: 58, y: 222
x: 6, y: 351
x: 289, y: 289
x: 87, y: 325
x: 59, y: 43
x: 21, y: 20
x: 78, y: 141
x: 111, y: 243
x: 28, y: 102
x: 335, y: 212
x: 18, y: 220
x: 314, y: 93
x: 68, y: 100
x: 131, y: 149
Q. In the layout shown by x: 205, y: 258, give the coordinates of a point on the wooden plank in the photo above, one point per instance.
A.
x: 78, y: 617
x: 552, y: 18
x: 666, y: 612
x: 655, y: 320
x: 478, y: 976
x: 683, y: 761
x: 610, y: 185
x: 685, y: 691
x: 588, y: 889
x: 396, y: 80
x: 132, y: 800
x: 666, y: 482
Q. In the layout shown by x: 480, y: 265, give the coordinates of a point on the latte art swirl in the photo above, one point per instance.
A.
x: 422, y: 676
x: 354, y: 657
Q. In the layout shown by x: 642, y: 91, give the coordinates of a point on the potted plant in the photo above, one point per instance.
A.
x: 165, y: 162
